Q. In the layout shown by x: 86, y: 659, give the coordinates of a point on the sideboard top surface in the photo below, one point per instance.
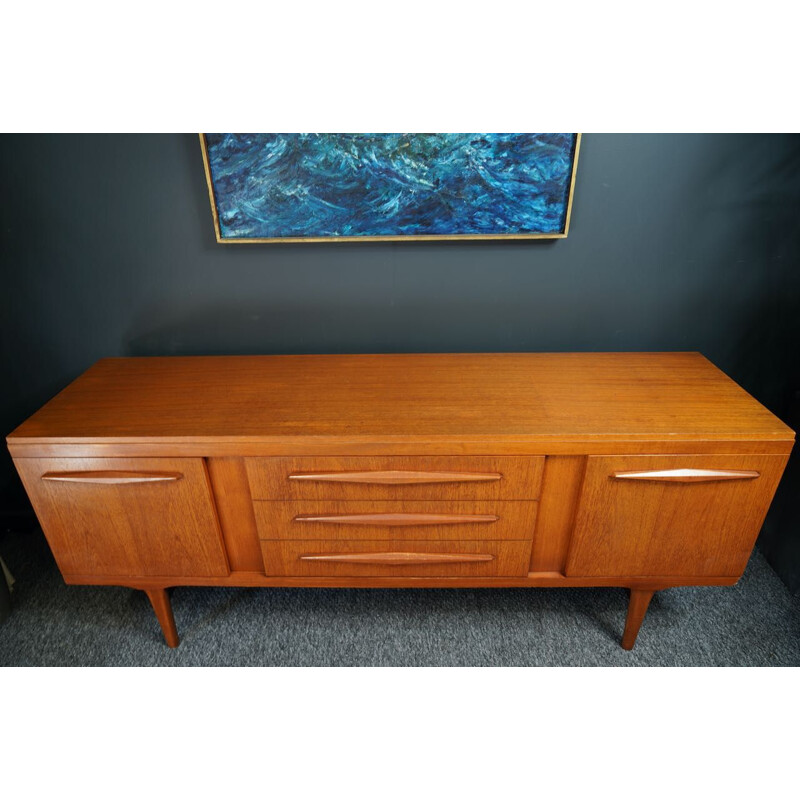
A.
x: 533, y: 397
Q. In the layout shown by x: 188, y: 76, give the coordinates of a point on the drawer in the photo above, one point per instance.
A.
x: 126, y: 516
x: 412, y: 519
x: 396, y: 558
x: 396, y: 478
x: 692, y: 515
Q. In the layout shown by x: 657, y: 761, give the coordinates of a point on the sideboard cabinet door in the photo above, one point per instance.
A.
x: 671, y: 515
x: 126, y: 517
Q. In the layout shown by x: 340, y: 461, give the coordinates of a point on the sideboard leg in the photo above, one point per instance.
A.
x: 161, y: 605
x: 637, y: 608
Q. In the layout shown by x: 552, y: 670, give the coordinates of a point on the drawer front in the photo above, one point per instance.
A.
x: 282, y: 519
x: 671, y: 515
x: 396, y: 558
x: 396, y: 478
x: 126, y: 516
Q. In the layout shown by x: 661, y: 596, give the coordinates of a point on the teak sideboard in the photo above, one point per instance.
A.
x: 638, y: 470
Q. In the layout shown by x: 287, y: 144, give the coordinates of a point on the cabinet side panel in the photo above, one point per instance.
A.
x: 235, y: 510
x: 561, y: 487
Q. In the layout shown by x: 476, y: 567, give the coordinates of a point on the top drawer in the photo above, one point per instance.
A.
x: 395, y: 478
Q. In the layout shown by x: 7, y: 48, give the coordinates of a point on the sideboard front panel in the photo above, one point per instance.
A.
x: 126, y: 517
x: 671, y: 515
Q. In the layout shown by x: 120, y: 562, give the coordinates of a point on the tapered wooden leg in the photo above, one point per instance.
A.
x: 159, y: 599
x: 637, y: 608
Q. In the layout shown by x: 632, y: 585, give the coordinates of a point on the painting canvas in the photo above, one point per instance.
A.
x: 279, y: 187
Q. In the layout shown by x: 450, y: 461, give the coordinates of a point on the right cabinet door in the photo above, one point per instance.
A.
x: 681, y: 515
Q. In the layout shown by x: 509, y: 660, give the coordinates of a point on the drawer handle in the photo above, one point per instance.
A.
x: 112, y: 476
x: 398, y: 559
x: 397, y: 477
x: 398, y: 519
x: 688, y: 475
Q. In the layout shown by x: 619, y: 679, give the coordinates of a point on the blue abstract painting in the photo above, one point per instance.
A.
x: 276, y: 186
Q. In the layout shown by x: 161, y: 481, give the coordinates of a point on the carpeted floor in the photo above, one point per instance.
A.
x: 755, y: 623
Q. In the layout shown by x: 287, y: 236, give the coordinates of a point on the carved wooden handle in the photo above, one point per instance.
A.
x: 112, y: 476
x: 396, y: 477
x: 688, y: 475
x: 398, y: 519
x: 400, y: 558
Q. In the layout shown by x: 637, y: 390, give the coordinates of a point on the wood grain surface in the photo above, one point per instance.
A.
x: 445, y: 398
x: 563, y: 477
x: 235, y: 511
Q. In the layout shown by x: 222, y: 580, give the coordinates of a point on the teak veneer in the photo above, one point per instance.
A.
x: 638, y: 470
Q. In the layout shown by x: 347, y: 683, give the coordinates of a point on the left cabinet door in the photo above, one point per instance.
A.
x: 126, y: 517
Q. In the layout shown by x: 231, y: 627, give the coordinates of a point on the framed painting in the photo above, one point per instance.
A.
x: 320, y: 187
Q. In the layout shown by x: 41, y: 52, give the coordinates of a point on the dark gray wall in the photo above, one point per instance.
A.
x: 678, y: 242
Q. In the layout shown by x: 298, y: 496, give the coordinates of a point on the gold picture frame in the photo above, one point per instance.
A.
x: 382, y: 238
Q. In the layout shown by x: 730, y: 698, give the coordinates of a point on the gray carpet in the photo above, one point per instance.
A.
x: 755, y: 623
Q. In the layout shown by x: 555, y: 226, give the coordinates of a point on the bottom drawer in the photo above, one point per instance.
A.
x: 396, y: 558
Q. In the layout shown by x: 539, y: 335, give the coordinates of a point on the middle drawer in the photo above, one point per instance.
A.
x: 411, y: 519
